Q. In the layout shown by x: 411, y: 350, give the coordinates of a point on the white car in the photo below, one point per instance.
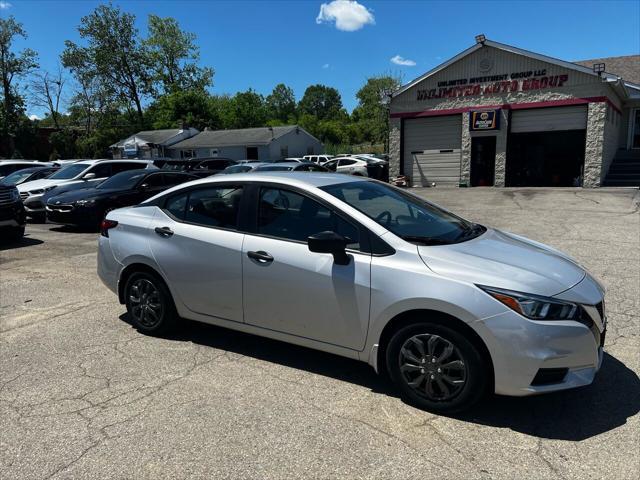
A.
x: 349, y: 165
x: 448, y: 308
x: 321, y: 159
x: 75, y: 175
x: 7, y: 167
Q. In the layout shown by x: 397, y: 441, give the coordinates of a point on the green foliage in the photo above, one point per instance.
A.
x: 245, y: 110
x: 371, y: 113
x: 281, y: 104
x: 189, y: 107
x: 13, y: 65
x: 173, y: 57
x: 322, y: 102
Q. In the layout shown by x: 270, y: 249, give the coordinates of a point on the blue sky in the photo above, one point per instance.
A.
x: 257, y: 44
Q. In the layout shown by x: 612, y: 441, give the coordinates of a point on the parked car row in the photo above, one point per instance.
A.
x: 81, y: 192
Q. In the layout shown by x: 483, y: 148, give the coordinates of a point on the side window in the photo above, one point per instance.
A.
x: 346, y: 161
x: 291, y: 216
x: 302, y: 168
x: 154, y: 181
x: 214, y: 206
x: 171, y: 179
x: 175, y: 205
x: 102, y: 170
x: 122, y: 167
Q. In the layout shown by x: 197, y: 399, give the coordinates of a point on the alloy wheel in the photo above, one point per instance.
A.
x: 145, y: 302
x: 433, y: 367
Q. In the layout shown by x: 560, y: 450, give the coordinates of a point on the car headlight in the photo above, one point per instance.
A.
x: 536, y: 307
x: 85, y: 203
x: 14, y: 194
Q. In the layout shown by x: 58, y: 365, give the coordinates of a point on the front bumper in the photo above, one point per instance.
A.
x: 12, y: 215
x: 71, y: 215
x: 34, y: 204
x: 521, y: 349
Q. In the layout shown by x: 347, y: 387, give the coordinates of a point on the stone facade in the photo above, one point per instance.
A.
x: 594, y: 146
x: 394, y: 146
x: 465, y: 152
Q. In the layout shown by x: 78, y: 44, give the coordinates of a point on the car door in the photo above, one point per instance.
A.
x: 290, y: 289
x: 196, y: 241
x: 346, y: 165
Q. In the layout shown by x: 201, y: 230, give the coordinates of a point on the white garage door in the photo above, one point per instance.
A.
x: 549, y: 119
x: 432, y: 149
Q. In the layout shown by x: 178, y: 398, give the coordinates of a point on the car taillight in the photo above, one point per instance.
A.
x: 107, y: 225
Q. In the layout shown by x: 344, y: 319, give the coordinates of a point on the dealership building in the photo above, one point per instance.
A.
x: 497, y: 115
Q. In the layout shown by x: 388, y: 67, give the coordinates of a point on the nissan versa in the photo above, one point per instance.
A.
x: 448, y: 308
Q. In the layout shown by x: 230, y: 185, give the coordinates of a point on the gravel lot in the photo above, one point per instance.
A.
x: 83, y: 395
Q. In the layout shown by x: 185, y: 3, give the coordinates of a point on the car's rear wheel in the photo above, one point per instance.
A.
x: 150, y: 304
x: 436, y: 368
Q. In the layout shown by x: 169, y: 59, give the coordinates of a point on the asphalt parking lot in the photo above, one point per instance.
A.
x: 83, y: 395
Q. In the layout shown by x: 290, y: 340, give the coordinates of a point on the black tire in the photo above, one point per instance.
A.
x: 39, y: 218
x: 440, y: 383
x: 150, y: 305
x: 16, y: 233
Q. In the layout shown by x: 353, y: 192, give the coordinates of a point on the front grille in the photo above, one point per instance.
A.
x: 5, y: 197
x: 59, y: 208
x: 24, y: 195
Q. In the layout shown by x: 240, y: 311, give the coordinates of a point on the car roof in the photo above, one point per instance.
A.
x: 301, y: 179
x: 36, y: 169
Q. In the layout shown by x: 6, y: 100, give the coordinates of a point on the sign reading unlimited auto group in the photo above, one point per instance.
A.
x: 484, y: 120
x: 494, y: 84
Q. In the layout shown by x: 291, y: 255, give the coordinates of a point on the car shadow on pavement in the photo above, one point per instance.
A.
x: 25, y: 241
x: 73, y: 229
x: 574, y: 415
x: 569, y: 415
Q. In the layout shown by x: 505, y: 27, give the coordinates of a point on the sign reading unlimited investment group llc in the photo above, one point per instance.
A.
x: 484, y: 120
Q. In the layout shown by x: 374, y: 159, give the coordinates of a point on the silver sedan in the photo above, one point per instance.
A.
x: 447, y: 308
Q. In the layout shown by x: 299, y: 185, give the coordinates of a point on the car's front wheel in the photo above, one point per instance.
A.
x: 436, y: 368
x: 149, y: 304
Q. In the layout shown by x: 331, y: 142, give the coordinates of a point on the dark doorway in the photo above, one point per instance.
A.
x: 545, y: 159
x: 252, y: 153
x: 483, y: 161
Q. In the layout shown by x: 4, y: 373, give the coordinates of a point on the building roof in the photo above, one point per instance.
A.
x: 156, y: 137
x: 507, y: 48
x: 230, y: 138
x: 626, y: 67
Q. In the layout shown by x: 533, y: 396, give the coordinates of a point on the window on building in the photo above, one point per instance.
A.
x: 252, y: 153
x: 187, y: 153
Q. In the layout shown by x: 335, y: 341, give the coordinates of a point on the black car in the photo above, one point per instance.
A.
x: 87, y: 207
x: 28, y: 174
x: 200, y: 167
x: 12, y: 215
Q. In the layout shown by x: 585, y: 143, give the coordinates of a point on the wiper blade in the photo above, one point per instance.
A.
x: 425, y: 240
x: 473, y: 231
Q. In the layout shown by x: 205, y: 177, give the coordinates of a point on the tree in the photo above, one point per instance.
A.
x: 322, y: 102
x: 191, y: 107
x: 13, y: 65
x: 46, y: 92
x: 281, y: 103
x: 173, y: 55
x: 371, y: 112
x: 114, y: 55
x: 246, y: 110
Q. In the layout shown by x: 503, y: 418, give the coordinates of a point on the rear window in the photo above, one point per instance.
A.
x: 212, y: 206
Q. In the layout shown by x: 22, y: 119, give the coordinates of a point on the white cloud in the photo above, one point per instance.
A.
x: 4, y: 5
x: 405, y: 62
x: 34, y: 117
x: 325, y: 66
x: 348, y: 15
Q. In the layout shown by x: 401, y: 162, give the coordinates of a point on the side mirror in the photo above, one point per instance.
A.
x: 330, y: 242
x: 89, y: 176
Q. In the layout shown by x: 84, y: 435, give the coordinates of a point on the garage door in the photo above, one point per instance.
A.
x: 432, y: 149
x: 549, y: 119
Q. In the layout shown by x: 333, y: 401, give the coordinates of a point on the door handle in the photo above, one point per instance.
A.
x: 260, y: 256
x: 163, y: 231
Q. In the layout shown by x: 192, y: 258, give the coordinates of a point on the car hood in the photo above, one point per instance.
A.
x: 82, y: 194
x: 38, y: 184
x: 503, y: 260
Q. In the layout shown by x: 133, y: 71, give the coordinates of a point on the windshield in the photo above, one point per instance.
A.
x: 276, y: 168
x: 409, y: 217
x: 70, y: 171
x: 122, y: 181
x: 237, y: 169
x: 176, y: 167
x: 16, y: 177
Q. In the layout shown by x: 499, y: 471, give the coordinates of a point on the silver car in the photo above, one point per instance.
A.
x: 449, y: 309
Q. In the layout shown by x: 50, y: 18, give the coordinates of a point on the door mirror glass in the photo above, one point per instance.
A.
x: 89, y: 176
x: 330, y: 242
